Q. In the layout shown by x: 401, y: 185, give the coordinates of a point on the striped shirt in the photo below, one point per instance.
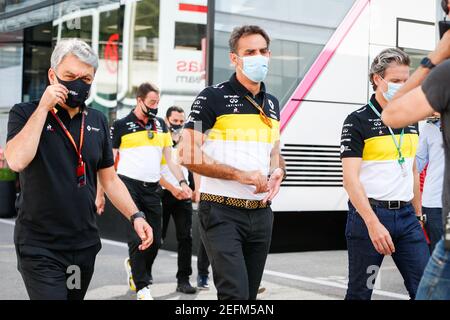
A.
x: 365, y: 136
x: 140, y: 147
x: 235, y: 133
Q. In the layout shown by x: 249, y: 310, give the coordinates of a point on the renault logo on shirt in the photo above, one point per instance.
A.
x: 89, y: 128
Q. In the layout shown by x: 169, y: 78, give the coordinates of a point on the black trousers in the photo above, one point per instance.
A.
x: 181, y: 211
x: 237, y: 242
x: 56, y: 274
x: 202, y: 260
x: 148, y: 200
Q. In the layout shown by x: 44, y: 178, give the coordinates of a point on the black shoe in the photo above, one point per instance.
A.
x: 186, y: 287
x: 202, y: 282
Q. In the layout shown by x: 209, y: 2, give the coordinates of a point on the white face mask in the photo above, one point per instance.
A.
x: 255, y: 67
x: 392, y: 89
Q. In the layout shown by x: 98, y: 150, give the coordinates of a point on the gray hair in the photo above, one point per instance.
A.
x: 383, y: 61
x: 78, y: 48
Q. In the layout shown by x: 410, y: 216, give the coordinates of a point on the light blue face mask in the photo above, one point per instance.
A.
x: 392, y: 90
x: 255, y: 67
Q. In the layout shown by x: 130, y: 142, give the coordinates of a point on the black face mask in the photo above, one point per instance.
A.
x: 151, y: 113
x: 175, y: 127
x: 78, y: 92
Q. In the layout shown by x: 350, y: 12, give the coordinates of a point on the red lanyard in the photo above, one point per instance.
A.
x: 77, y: 150
x: 143, y: 126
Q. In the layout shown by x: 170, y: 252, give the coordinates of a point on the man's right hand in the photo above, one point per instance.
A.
x: 381, y: 239
x: 53, y: 95
x: 178, y: 193
x: 145, y: 233
x: 255, y: 178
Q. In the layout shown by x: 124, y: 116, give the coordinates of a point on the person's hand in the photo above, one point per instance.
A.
x: 442, y: 51
x: 100, y: 204
x: 53, y: 95
x: 274, y: 184
x: 381, y: 239
x: 196, y: 196
x: 187, y: 192
x: 144, y: 231
x: 255, y: 178
x: 422, y: 224
x: 177, y: 193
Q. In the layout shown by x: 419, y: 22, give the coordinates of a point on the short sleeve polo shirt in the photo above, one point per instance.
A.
x: 235, y: 133
x: 140, y: 147
x: 53, y: 212
x: 437, y: 92
x: 365, y: 136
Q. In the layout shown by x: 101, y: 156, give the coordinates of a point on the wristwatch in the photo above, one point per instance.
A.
x: 138, y: 214
x: 426, y: 63
x: 422, y: 218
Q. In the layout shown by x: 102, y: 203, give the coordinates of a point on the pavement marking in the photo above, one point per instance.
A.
x: 108, y: 292
x: 322, y: 282
x: 331, y: 284
x: 10, y: 222
x: 7, y: 246
x: 114, y: 243
x: 268, y: 272
x: 105, y: 241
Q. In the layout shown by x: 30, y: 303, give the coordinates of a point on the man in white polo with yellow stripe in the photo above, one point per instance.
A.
x: 381, y: 180
x: 232, y: 140
x: 140, y: 140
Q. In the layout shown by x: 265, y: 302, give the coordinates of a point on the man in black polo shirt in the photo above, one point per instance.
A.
x: 232, y: 140
x: 58, y: 146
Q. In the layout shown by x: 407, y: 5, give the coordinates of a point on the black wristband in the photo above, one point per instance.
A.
x: 422, y: 218
x: 183, y: 181
x: 138, y: 214
x: 426, y: 63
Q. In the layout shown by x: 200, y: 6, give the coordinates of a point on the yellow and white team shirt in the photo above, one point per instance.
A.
x: 365, y: 136
x: 235, y: 134
x: 140, y: 147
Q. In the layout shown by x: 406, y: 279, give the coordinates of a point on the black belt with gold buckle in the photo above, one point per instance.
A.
x: 235, y: 202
